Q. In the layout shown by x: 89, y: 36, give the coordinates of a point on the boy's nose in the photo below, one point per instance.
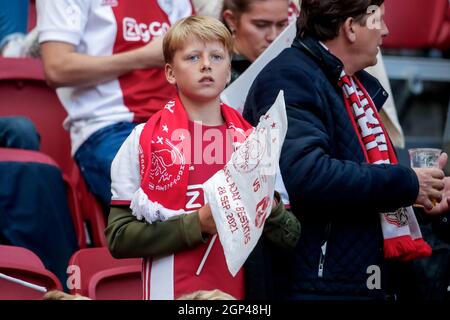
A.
x: 206, y: 64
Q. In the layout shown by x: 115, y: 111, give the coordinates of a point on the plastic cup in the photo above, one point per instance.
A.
x: 425, y: 158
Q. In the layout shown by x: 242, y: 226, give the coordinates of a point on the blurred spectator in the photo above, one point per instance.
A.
x: 105, y: 58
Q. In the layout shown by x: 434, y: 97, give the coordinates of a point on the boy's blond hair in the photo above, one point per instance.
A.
x: 205, y: 28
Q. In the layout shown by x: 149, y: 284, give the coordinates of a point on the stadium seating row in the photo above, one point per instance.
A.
x: 93, y: 273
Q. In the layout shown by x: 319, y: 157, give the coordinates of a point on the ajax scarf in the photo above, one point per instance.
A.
x: 164, y: 153
x: 401, y: 232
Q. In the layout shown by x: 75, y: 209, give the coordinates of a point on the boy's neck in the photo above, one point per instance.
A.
x: 208, y: 112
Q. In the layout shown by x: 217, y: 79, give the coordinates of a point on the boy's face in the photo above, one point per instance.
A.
x: 200, y: 69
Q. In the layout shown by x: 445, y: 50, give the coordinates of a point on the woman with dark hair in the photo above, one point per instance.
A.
x: 254, y: 24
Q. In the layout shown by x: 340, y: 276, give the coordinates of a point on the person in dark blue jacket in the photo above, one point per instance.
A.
x: 337, y: 162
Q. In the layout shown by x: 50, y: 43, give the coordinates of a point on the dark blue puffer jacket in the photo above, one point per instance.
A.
x: 334, y: 192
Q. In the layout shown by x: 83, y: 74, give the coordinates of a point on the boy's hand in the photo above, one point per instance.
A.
x: 207, y: 223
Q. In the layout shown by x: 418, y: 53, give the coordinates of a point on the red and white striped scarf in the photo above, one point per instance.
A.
x: 401, y: 232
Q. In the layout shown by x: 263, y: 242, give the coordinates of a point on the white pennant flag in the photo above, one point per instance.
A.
x: 241, y: 194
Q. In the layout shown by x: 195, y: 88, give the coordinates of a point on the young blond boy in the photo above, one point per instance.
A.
x: 159, y: 171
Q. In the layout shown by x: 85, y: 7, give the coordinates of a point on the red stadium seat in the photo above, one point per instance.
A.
x: 120, y: 283
x: 103, y: 277
x: 20, y: 255
x: 18, y: 266
x: 414, y: 24
x: 443, y: 38
x: 23, y: 91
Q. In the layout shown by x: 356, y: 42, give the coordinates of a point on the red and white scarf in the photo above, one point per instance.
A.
x: 164, y: 147
x: 401, y: 232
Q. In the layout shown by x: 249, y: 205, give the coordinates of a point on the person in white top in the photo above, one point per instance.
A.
x: 105, y: 58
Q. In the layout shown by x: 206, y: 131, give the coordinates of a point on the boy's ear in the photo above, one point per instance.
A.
x: 229, y: 75
x: 230, y: 20
x: 170, y: 74
x: 348, y: 28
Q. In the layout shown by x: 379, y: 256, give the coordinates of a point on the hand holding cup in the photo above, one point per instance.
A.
x: 426, y: 164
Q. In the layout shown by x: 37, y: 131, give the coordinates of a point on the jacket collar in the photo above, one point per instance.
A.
x: 329, y: 63
x: 332, y: 67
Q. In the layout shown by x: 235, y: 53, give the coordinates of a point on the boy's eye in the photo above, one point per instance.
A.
x: 193, y: 58
x: 216, y: 57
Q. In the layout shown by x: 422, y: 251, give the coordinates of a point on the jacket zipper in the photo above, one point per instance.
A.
x: 323, y: 251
